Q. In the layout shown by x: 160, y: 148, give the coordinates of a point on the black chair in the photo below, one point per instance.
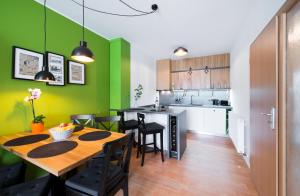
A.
x: 128, y: 124
x: 147, y: 129
x: 37, y: 187
x: 85, y: 120
x: 104, y: 177
x: 12, y: 175
x: 107, y: 122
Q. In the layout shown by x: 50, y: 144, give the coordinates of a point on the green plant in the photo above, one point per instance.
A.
x: 138, y: 92
x: 39, y: 119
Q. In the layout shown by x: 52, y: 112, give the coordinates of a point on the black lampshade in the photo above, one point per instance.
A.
x: 82, y: 53
x: 44, y: 76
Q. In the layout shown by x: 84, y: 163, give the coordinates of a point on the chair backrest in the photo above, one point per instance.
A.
x: 107, y: 122
x: 87, y: 120
x: 122, y: 119
x: 113, y: 148
x: 141, y: 122
x: 123, y: 145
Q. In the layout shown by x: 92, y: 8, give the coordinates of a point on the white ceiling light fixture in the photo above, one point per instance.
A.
x: 181, y: 51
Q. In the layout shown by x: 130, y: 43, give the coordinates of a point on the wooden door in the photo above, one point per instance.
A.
x: 263, y: 93
x: 200, y: 80
x: 163, y: 75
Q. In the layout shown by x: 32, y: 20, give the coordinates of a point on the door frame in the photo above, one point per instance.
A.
x: 281, y: 96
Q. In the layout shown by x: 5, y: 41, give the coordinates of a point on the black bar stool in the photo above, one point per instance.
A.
x: 128, y: 124
x: 147, y: 129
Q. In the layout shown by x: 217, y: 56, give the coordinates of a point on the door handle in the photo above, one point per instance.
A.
x: 272, y: 116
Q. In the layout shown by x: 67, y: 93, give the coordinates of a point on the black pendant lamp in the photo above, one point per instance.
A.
x: 45, y: 75
x: 82, y: 53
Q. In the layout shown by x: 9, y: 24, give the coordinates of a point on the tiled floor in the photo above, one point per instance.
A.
x: 210, y: 166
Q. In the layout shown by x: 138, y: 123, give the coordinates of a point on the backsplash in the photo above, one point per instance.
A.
x: 197, y: 97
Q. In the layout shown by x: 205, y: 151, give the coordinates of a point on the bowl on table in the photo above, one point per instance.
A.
x: 61, y: 133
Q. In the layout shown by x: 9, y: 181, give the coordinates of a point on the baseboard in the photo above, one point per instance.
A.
x: 245, y: 156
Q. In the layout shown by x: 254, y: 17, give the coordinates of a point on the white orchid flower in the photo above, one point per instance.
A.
x: 35, y: 93
x: 26, y: 99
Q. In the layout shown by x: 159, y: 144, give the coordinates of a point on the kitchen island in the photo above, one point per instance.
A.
x: 174, y: 121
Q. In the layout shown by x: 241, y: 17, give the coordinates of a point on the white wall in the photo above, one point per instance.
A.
x: 262, y: 13
x: 143, y: 71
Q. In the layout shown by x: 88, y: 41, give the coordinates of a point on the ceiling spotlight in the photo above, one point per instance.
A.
x: 181, y: 51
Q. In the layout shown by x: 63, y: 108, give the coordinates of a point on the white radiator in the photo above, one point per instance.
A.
x: 237, y: 132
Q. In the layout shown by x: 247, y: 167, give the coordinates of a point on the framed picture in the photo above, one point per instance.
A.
x: 56, y: 64
x: 76, y: 73
x: 26, y: 63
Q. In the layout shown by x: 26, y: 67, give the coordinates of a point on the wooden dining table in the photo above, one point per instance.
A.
x: 60, y: 164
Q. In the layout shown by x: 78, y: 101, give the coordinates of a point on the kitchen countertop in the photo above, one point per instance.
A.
x: 151, y: 110
x: 202, y: 106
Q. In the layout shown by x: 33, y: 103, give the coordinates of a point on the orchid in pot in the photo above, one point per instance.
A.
x: 37, y: 124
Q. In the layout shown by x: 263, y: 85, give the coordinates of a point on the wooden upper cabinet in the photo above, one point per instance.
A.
x: 181, y: 81
x: 220, y: 78
x: 185, y: 80
x: 200, y: 80
x: 178, y: 76
x: 163, y: 75
x: 175, y: 84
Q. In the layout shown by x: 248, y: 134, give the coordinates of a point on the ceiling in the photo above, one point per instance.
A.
x: 204, y: 27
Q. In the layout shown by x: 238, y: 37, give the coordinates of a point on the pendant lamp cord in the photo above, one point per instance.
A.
x: 83, y: 20
x: 137, y: 10
x: 45, y: 67
x: 45, y: 26
x: 141, y: 13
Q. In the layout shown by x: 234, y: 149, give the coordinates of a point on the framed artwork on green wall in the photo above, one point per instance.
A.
x: 26, y: 63
x: 56, y: 64
x: 76, y: 73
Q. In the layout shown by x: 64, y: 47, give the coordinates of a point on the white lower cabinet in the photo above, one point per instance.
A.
x: 205, y: 120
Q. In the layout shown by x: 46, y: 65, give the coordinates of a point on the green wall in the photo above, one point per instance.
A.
x: 119, y: 74
x: 21, y: 24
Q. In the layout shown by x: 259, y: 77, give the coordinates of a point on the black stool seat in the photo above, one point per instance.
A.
x: 88, y: 182
x: 154, y: 127
x: 129, y: 125
x: 38, y: 187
